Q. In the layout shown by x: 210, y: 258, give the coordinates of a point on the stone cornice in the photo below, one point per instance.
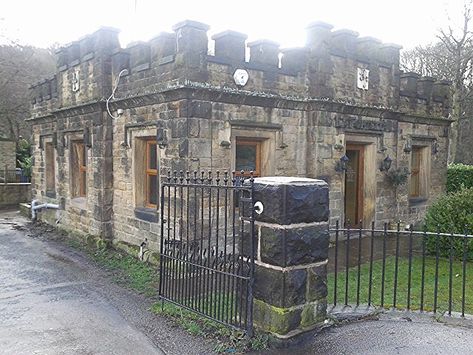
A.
x: 186, y: 89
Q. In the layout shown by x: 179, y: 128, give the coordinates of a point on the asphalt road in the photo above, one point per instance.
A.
x: 54, y: 301
x: 392, y: 336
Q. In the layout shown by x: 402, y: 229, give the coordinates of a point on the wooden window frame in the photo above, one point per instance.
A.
x: 150, y: 172
x: 416, y: 171
x: 360, y: 192
x: 50, y: 159
x: 250, y: 142
x: 79, y: 171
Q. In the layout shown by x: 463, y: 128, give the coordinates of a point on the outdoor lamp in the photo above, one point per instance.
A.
x: 342, y: 164
x: 386, y: 164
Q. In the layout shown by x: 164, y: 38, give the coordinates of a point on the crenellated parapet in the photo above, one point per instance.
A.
x: 83, y: 73
x: 424, y: 94
x: 334, y: 65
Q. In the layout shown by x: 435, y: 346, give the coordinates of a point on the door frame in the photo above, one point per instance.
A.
x: 359, y: 181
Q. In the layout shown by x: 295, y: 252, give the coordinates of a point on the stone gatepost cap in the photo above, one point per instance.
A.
x: 263, y: 42
x: 427, y: 78
x: 345, y: 32
x: 368, y: 39
x: 319, y: 24
x: 285, y: 180
x: 410, y: 74
x: 230, y: 33
x: 190, y: 23
x: 291, y: 200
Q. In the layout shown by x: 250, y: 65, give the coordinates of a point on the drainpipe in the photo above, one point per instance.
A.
x: 35, y: 207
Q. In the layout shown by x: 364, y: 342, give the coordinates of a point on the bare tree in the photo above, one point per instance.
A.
x: 450, y: 58
x: 20, y: 66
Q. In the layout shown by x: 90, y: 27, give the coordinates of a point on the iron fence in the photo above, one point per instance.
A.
x: 13, y: 176
x: 404, y: 269
x: 207, y: 246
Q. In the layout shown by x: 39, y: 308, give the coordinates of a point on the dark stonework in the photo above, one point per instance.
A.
x: 294, y: 246
x: 281, y: 289
x: 292, y: 200
x: 146, y: 214
x: 280, y: 322
x: 316, y: 283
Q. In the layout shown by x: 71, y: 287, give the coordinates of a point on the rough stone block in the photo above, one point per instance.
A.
x: 281, y: 289
x: 292, y: 200
x: 274, y: 319
x: 317, y: 283
x: 294, y: 246
x: 312, y: 314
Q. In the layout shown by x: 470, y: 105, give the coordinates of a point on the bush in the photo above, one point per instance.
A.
x: 452, y: 213
x: 459, y: 176
x: 23, y: 156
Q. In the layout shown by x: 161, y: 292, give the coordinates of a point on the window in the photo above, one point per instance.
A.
x: 420, y: 167
x: 79, y: 169
x: 50, y: 169
x: 414, y: 188
x: 151, y: 194
x: 248, y: 156
x: 145, y: 175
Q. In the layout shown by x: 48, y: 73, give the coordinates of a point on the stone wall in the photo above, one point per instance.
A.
x: 14, y: 194
x: 304, y: 109
x: 7, y: 154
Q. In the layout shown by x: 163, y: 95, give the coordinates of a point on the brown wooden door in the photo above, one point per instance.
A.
x: 354, y: 185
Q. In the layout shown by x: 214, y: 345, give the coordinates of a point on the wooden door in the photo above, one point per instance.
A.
x: 354, y: 185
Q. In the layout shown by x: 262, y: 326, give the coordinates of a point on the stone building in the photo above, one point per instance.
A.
x: 110, y: 121
x: 7, y: 154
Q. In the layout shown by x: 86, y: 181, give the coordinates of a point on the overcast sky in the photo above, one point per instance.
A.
x: 44, y: 22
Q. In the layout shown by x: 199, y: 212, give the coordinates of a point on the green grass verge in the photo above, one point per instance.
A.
x: 129, y: 272
x: 227, y: 339
x: 402, y: 284
x: 125, y: 269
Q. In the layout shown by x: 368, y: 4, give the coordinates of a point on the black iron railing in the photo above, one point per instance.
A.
x: 405, y: 269
x: 207, y: 245
x: 8, y: 176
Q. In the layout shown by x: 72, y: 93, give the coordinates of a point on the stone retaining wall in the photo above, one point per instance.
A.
x: 14, y: 194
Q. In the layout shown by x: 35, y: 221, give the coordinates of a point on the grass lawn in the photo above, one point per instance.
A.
x: 402, y: 284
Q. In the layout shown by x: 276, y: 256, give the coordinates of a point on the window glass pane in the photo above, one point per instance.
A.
x: 84, y: 154
x: 152, y: 189
x: 152, y: 158
x: 414, y: 186
x: 246, y: 157
x: 83, y: 183
x: 50, y: 168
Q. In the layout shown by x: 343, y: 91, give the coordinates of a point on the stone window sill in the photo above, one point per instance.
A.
x: 415, y: 201
x: 79, y: 202
x: 146, y: 214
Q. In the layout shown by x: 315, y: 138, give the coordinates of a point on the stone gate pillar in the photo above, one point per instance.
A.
x: 290, y: 286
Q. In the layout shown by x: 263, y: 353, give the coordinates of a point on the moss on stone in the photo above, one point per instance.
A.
x: 274, y: 319
x: 308, y: 315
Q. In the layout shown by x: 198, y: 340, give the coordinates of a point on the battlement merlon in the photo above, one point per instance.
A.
x: 330, y: 57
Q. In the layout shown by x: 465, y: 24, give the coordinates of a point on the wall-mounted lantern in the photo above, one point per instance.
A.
x: 162, y: 137
x: 408, y: 146
x: 386, y: 164
x: 435, y: 147
x: 342, y: 164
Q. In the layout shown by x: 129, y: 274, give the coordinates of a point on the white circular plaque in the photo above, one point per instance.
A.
x: 241, y: 77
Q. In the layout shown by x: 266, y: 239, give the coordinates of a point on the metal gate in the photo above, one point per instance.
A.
x: 207, y: 245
